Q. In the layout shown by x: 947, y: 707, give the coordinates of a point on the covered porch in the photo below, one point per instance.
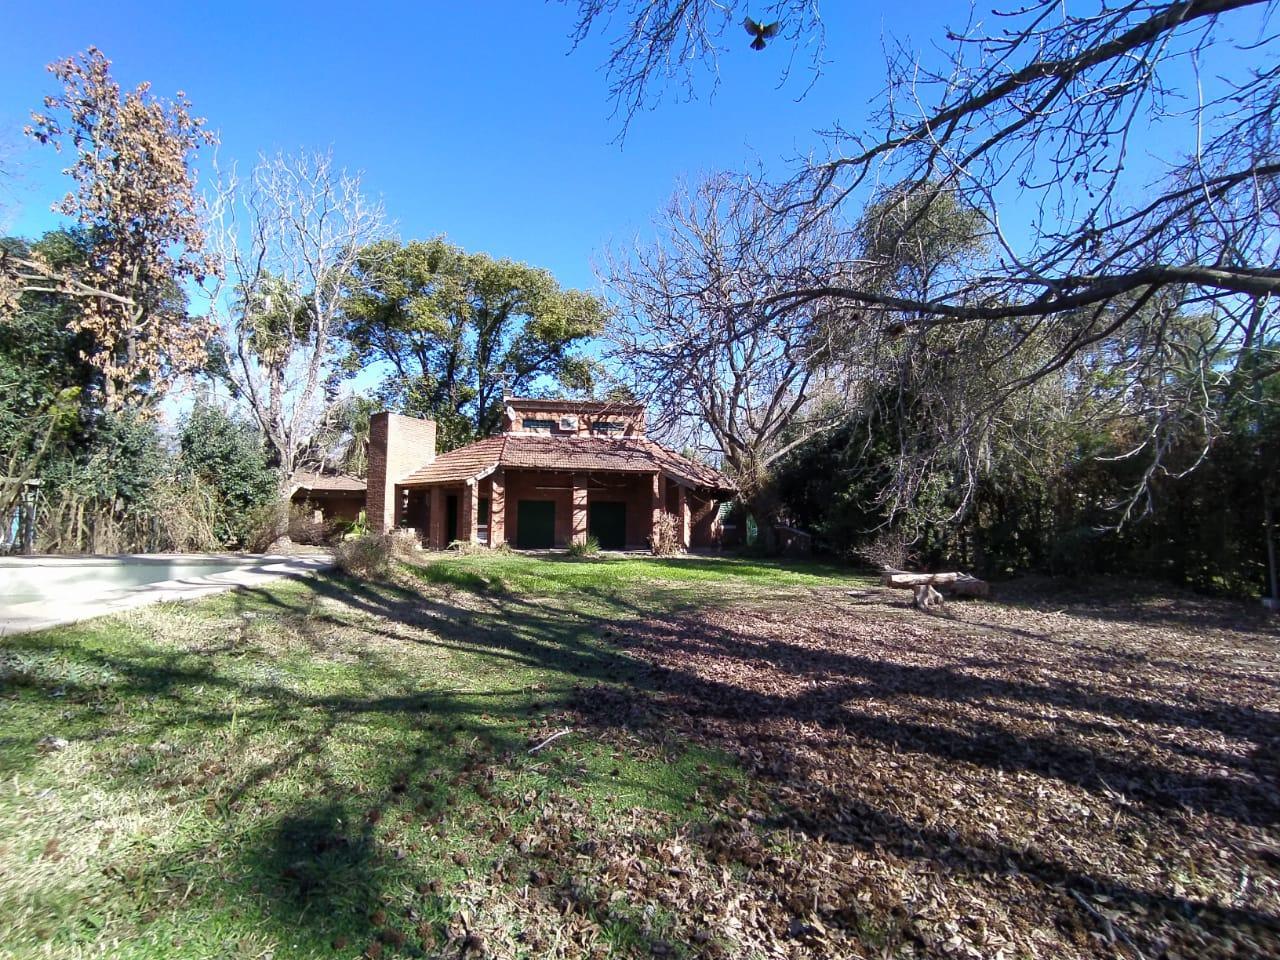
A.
x: 532, y: 509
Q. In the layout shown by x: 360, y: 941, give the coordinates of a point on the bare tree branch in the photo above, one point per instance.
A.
x: 288, y: 236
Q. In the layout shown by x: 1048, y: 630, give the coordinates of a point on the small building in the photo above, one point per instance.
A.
x: 559, y: 472
x: 331, y: 497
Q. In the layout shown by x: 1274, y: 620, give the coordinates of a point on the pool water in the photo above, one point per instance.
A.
x: 31, y: 579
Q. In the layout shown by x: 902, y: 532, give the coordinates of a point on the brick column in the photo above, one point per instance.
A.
x: 497, y: 508
x: 682, y: 515
x: 380, y: 503
x: 398, y: 445
x: 468, y: 510
x: 579, y: 508
x: 435, y: 525
x: 658, y: 506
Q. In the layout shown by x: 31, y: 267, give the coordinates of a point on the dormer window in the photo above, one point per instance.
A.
x: 532, y: 424
x: 605, y: 428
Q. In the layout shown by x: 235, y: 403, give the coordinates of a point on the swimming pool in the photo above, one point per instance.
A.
x: 26, y: 579
x: 41, y: 592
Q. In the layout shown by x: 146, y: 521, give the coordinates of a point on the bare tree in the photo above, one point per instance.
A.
x: 288, y: 237
x: 714, y: 373
x: 1032, y: 124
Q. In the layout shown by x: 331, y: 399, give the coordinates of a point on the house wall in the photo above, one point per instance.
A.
x: 704, y: 526
x: 631, y: 418
x: 418, y: 513
x: 539, y: 485
x: 705, y: 513
x: 631, y: 489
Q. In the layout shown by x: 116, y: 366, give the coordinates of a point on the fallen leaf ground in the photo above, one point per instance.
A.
x: 761, y: 760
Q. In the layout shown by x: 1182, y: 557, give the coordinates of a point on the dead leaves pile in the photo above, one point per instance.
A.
x: 1008, y: 782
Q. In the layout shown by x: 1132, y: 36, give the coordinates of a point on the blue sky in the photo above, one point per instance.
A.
x: 470, y: 119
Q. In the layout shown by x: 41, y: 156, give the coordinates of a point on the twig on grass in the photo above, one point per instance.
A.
x: 554, y: 736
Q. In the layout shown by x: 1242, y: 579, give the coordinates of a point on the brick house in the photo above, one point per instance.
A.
x: 560, y: 471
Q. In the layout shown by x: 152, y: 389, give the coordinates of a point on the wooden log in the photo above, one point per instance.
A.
x: 960, y: 584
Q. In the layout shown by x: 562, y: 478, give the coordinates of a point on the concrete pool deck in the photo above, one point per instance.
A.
x: 37, y: 593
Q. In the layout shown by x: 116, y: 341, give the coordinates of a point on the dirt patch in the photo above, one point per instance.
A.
x: 1045, y: 778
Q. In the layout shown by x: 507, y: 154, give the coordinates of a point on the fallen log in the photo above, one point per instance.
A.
x: 961, y: 584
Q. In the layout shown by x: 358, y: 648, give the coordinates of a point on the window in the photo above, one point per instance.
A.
x: 483, y: 512
x: 605, y: 428
x: 531, y: 424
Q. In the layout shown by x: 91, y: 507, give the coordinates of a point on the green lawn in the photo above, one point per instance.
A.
x: 330, y: 768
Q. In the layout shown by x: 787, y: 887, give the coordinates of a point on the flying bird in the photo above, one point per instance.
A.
x: 761, y: 32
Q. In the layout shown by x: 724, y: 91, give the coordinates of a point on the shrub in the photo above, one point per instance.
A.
x: 368, y: 557
x: 122, y: 493
x: 265, y: 524
x: 890, y: 549
x: 665, y: 541
x: 587, y: 548
x: 359, y: 527
x: 305, y: 528
x: 466, y: 547
x: 178, y: 514
x: 186, y: 515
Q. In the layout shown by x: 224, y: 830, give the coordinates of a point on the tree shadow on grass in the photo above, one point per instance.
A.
x: 786, y: 706
x: 334, y: 864
x: 518, y: 629
x: 794, y: 709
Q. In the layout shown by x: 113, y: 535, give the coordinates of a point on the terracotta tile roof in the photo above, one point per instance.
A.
x: 327, y: 482
x: 461, y: 464
x: 579, y: 453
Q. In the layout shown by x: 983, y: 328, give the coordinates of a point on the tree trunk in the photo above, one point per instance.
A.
x: 1269, y: 532
x: 927, y: 598
x: 763, y: 509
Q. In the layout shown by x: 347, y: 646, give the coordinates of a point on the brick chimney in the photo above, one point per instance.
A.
x: 398, y: 445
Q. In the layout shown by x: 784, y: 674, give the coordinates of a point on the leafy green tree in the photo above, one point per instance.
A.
x: 128, y: 458
x: 227, y: 454
x: 457, y: 327
x: 41, y: 352
x: 342, y: 441
x: 45, y: 382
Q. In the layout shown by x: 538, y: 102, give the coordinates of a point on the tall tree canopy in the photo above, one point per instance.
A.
x: 456, y: 327
x: 716, y: 377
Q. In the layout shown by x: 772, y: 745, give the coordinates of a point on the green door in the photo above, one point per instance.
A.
x: 535, y: 524
x: 607, y: 522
